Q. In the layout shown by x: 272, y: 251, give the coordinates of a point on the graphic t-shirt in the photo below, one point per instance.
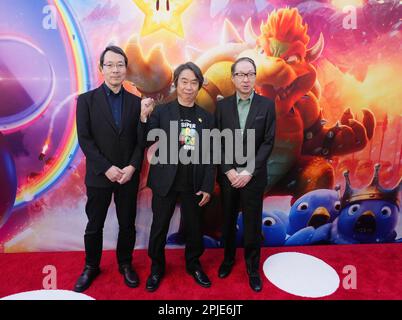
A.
x: 187, y: 141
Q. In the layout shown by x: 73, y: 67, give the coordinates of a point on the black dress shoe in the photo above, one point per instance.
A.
x: 225, y: 269
x: 153, y: 281
x: 86, y: 278
x: 130, y: 276
x: 200, y: 277
x: 255, y: 282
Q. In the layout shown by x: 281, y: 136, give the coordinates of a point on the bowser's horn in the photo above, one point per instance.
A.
x: 249, y: 35
x: 229, y: 33
x: 315, y: 51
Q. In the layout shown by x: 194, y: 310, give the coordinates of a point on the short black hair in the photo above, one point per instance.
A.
x: 233, y: 68
x: 191, y: 66
x: 114, y: 49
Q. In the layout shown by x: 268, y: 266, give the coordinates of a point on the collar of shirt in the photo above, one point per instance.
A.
x: 249, y: 99
x: 109, y: 92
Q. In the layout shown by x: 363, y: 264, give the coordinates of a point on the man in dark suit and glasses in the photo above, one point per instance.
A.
x: 241, y: 188
x: 170, y: 180
x: 110, y: 135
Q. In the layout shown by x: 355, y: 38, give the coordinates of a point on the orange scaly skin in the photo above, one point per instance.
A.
x: 303, y: 143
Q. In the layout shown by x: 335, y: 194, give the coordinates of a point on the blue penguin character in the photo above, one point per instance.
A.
x: 274, y: 226
x: 368, y: 215
x: 314, y: 209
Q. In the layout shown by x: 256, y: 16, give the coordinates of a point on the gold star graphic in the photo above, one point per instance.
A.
x: 162, y: 14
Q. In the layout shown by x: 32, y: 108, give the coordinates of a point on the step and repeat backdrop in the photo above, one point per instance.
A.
x: 334, y: 174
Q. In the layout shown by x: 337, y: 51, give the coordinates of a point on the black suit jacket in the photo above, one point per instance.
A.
x: 162, y: 176
x: 102, y: 142
x: 261, y: 117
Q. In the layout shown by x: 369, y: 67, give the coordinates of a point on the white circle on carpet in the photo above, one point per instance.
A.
x: 48, y: 295
x: 301, y: 274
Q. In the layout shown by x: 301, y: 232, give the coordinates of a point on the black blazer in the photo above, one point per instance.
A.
x: 261, y: 117
x: 162, y: 176
x: 102, y: 142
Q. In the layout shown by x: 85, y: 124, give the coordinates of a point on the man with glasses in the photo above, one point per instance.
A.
x: 110, y: 135
x: 242, y: 185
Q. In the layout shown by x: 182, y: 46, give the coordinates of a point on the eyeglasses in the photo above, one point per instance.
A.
x: 112, y: 66
x: 241, y: 75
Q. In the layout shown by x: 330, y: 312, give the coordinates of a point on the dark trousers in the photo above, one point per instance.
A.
x: 125, y: 199
x: 163, y: 209
x: 248, y: 200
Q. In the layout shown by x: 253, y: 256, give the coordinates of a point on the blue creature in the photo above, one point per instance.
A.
x: 311, y: 216
x: 273, y: 229
x: 274, y: 225
x: 314, y: 209
x: 367, y: 221
x: 368, y: 215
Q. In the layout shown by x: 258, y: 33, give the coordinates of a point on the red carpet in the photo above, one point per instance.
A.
x: 379, y: 274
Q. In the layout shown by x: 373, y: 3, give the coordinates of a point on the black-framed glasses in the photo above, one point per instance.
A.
x: 241, y: 75
x: 112, y: 66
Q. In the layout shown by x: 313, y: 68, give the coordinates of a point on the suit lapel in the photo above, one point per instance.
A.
x: 235, y: 113
x: 125, y: 110
x: 175, y: 114
x: 174, y: 111
x: 101, y: 101
x: 252, y: 113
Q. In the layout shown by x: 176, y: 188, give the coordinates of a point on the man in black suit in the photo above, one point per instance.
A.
x: 242, y: 185
x: 191, y: 180
x: 110, y: 135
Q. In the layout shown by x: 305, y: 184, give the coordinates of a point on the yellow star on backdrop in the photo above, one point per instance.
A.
x: 162, y: 14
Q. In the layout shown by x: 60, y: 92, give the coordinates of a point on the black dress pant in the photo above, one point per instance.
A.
x: 163, y: 209
x: 249, y: 200
x: 125, y: 199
